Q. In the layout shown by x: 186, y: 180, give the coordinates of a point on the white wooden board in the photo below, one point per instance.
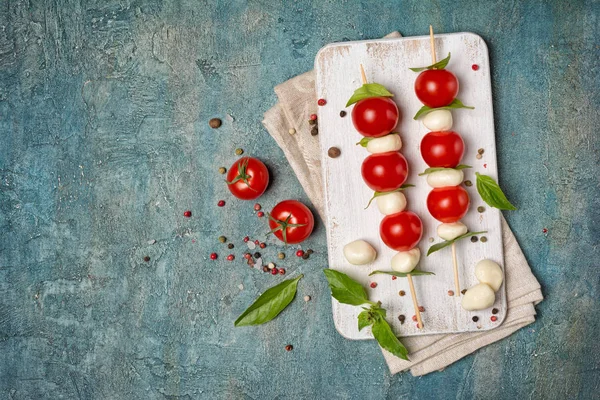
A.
x: 387, y: 62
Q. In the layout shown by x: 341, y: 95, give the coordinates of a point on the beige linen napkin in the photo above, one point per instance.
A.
x: 430, y: 353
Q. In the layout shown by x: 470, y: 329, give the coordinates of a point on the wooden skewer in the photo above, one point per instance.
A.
x: 455, y: 264
x: 433, y: 60
x: 363, y: 76
x: 413, y: 294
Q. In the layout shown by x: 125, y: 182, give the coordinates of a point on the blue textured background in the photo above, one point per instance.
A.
x: 105, y: 142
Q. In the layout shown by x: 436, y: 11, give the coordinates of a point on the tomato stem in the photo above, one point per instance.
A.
x: 283, y: 225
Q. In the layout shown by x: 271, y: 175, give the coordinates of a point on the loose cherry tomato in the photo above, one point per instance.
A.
x: 442, y: 149
x: 247, y: 178
x: 448, y: 204
x: 375, y: 116
x: 291, y: 221
x: 383, y: 172
x: 436, y: 87
x: 401, y: 231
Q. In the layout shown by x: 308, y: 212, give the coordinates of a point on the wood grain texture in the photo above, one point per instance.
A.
x: 387, y: 62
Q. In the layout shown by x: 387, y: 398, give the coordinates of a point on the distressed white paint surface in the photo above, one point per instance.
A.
x: 387, y: 61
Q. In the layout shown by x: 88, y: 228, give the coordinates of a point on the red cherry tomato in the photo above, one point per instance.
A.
x: 442, y: 149
x: 448, y: 204
x: 247, y: 178
x: 291, y: 221
x: 383, y: 172
x: 375, y: 116
x: 436, y: 87
x: 401, y: 231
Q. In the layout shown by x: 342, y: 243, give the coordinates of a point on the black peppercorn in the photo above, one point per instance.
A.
x: 334, y: 152
x: 343, y: 113
x: 257, y: 255
x: 314, y: 131
x: 475, y: 318
x: 305, y: 256
x: 146, y: 258
x: 494, y: 311
x: 463, y: 291
x: 468, y: 183
x: 230, y: 246
x: 309, y: 251
x: 474, y: 239
x: 401, y: 318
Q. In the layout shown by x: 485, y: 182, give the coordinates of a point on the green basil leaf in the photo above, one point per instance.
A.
x: 438, y: 65
x: 269, y: 304
x: 456, y: 103
x: 365, y: 319
x: 402, y: 274
x: 346, y: 290
x: 436, y: 169
x: 387, y: 339
x: 377, y: 194
x: 441, y: 245
x: 491, y: 193
x: 368, y: 90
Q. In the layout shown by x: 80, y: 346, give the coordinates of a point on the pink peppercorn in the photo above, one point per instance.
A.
x: 246, y: 239
x: 275, y: 271
x: 313, y: 117
x: 260, y: 214
x: 213, y: 256
x: 187, y: 213
x: 322, y: 102
x: 247, y: 256
x: 475, y: 67
x: 494, y: 318
x: 373, y: 285
x: 230, y: 257
x: 394, y: 277
x: 257, y: 242
x: 414, y: 318
x: 544, y: 230
x: 221, y: 203
x: 257, y: 207
x: 300, y: 253
x: 281, y: 271
x: 262, y: 245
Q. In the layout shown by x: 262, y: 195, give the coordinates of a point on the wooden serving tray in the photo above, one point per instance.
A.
x: 387, y: 62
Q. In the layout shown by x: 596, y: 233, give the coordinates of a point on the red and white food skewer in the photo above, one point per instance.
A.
x: 385, y: 171
x: 442, y: 150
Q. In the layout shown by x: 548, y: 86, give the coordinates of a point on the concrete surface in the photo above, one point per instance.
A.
x: 104, y: 143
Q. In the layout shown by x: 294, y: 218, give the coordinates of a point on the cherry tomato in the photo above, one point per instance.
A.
x: 401, y: 231
x: 442, y: 149
x: 247, y: 178
x: 436, y: 87
x: 375, y: 116
x: 383, y: 172
x: 448, y: 204
x: 291, y: 221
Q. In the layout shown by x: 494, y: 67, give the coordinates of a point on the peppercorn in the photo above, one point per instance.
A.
x: 187, y: 214
x: 213, y: 256
x: 468, y: 183
x: 289, y: 347
x: 480, y: 209
x: 373, y: 285
x: 257, y: 207
x: 478, y: 156
x: 474, y: 239
x: 394, y: 277
x: 475, y: 318
x: 262, y: 245
x: 421, y: 308
x: 334, y: 152
x: 305, y: 257
x: 322, y: 102
x: 544, y: 230
x: 281, y: 256
x: 246, y: 239
x: 230, y: 257
x: 307, y: 298
x: 300, y: 253
x: 292, y: 131
x: 401, y: 318
x: 343, y: 113
x: 483, y: 239
x: 247, y: 256
x: 402, y: 293
x: 474, y: 67
x: 494, y: 318
x: 281, y: 271
x: 239, y: 152
x: 414, y: 318
x: 230, y: 246
x: 221, y: 203
x: 265, y: 269
x: 463, y: 291
x: 260, y: 214
x: 309, y: 251
x: 257, y: 255
x: 222, y: 170
x: 215, y: 123
x: 314, y: 131
x: 431, y: 240
x: 480, y: 151
x: 270, y: 265
x: 495, y: 311
x: 147, y: 258
x: 450, y: 292
x: 257, y: 242
x: 222, y: 239
x: 274, y: 271
x: 313, y: 117
x: 312, y: 122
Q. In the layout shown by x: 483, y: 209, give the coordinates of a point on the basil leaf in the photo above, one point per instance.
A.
x: 441, y: 245
x: 364, y: 141
x: 344, y: 289
x: 385, y: 337
x: 436, y: 169
x: 438, y: 65
x: 456, y: 103
x: 491, y: 193
x: 377, y: 194
x: 368, y: 90
x: 402, y: 274
x: 365, y: 319
x: 269, y: 304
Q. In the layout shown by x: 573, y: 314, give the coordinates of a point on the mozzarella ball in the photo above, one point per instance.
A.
x: 489, y: 272
x: 391, y: 203
x: 391, y: 142
x: 445, y: 178
x: 406, y: 261
x: 438, y: 120
x: 359, y: 252
x: 479, y: 297
x: 452, y: 230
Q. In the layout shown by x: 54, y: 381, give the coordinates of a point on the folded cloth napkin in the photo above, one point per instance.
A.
x: 287, y: 124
